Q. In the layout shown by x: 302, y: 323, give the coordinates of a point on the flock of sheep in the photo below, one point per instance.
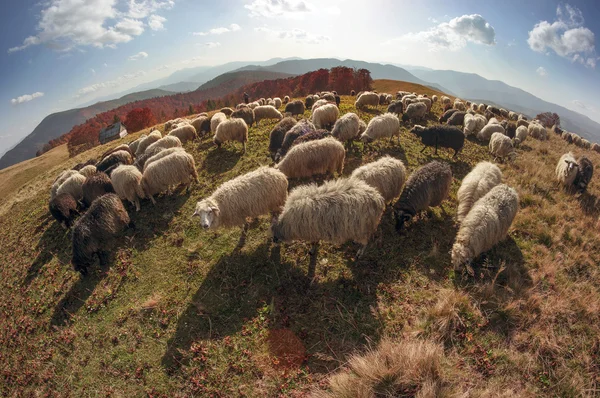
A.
x: 339, y: 210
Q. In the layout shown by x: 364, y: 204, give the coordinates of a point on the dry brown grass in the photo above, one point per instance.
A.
x: 393, y: 86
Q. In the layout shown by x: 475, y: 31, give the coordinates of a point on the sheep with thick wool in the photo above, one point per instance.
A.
x: 126, y: 181
x: 95, y: 232
x: 115, y: 158
x: 473, y: 124
x: 319, y: 103
x: 278, y: 133
x: 166, y: 142
x: 62, y: 177
x: 88, y: 170
x: 566, y: 170
x: 286, y: 99
x: 184, y: 133
x: 520, y: 135
x: 64, y: 209
x: 347, y: 128
x: 585, y: 172
x: 325, y: 116
x: 177, y: 168
x: 366, y: 99
x: 426, y: 101
x: 226, y: 110
x: 485, y: 225
x: 295, y: 107
x: 434, y: 98
x: 537, y: 131
x: 215, y: 120
x: 446, y: 115
x: 414, y: 112
x: 202, y: 125
x: 312, y: 158
x: 312, y: 136
x: 277, y: 102
x: 458, y: 104
x: 501, y: 146
x: 147, y: 141
x: 157, y: 155
x: 396, y: 107
x: 483, y: 177
x: 382, y: 126
x: 299, y: 129
x: 246, y: 114
x: 250, y: 195
x: 73, y: 186
x: 445, y: 100
x: 122, y: 147
x: 232, y: 130
x: 346, y: 209
x: 94, y: 186
x: 440, y: 136
x: 266, y: 112
x: 427, y: 187
x: 134, y: 144
x: 457, y: 119
x: 486, y: 132
x: 386, y: 174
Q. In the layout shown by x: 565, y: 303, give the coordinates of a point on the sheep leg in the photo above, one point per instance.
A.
x: 137, y: 204
x: 244, y: 151
x: 312, y: 264
x: 104, y: 258
x: 242, y: 241
x: 152, y: 199
x: 361, y: 251
x: 423, y: 150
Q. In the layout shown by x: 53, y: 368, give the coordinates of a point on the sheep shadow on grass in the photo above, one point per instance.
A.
x: 219, y: 160
x: 589, y: 204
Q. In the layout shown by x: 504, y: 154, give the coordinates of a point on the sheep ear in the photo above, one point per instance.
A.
x: 196, y: 214
x: 216, y: 211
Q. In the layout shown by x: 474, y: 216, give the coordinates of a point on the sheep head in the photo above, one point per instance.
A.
x: 401, y: 218
x: 208, y: 212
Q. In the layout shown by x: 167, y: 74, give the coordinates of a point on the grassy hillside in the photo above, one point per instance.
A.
x: 181, y: 313
x: 393, y: 86
x: 235, y: 80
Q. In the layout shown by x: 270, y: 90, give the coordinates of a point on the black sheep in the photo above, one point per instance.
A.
x: 95, y: 232
x: 338, y: 99
x: 278, y: 133
x: 585, y: 171
x: 113, y: 159
x: 96, y: 185
x: 312, y: 136
x: 64, y: 209
x: 440, y: 136
x: 352, y: 93
x: 511, y: 130
x: 447, y: 115
x: 396, y: 107
x: 457, y: 119
x: 303, y: 127
x: 142, y: 159
x: 295, y: 107
x: 309, y: 101
x: 79, y: 166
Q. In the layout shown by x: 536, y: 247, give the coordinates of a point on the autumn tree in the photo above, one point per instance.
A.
x: 138, y: 119
x: 548, y: 119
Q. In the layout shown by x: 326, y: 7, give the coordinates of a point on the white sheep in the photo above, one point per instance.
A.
x: 566, y: 170
x: 72, y: 186
x: 414, y: 112
x: 250, y: 195
x: 366, y: 99
x: 458, y: 104
x: 501, y: 146
x: 434, y: 98
x: 312, y: 158
x: 177, y: 168
x: 165, y: 143
x: 159, y: 155
x: 338, y: 211
x: 475, y: 185
x: 232, y: 130
x: 382, y: 126
x: 134, y: 144
x: 62, y: 177
x: 126, y: 181
x: 185, y: 132
x: 266, y: 112
x: 325, y: 116
x: 520, y: 135
x: 215, y: 120
x: 277, y: 102
x: 386, y: 174
x: 445, y: 100
x: 147, y: 141
x: 485, y: 225
x: 486, y: 132
x: 426, y: 101
x: 88, y: 170
x: 537, y: 131
x: 347, y: 127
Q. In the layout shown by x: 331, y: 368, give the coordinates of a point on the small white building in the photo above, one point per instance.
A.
x: 112, y: 132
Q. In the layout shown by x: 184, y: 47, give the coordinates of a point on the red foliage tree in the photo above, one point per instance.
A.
x: 138, y: 119
x: 548, y: 119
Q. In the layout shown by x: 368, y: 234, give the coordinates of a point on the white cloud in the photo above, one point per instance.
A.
x: 110, y: 83
x: 455, y: 34
x: 67, y: 24
x: 566, y: 36
x: 582, y: 105
x: 140, y: 55
x: 26, y: 98
x: 212, y: 44
x: 297, y: 35
x: 219, y: 31
x: 156, y: 22
x: 93, y: 71
x: 278, y: 8
x: 541, y: 71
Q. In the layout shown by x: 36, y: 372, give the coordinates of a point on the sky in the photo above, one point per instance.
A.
x: 58, y: 54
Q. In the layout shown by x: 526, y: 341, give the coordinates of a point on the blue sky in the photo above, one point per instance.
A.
x: 57, y: 54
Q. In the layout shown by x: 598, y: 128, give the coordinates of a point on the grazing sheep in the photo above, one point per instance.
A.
x: 246, y: 114
x: 596, y: 147
x: 338, y: 99
x: 95, y: 186
x: 88, y: 170
x: 481, y: 108
x: 312, y: 158
x: 62, y: 177
x: 215, y: 120
x: 445, y: 100
x: 253, y: 105
x: 266, y: 112
x: 475, y: 185
x: 156, y: 155
x: 325, y: 116
x: 312, y: 136
x: 585, y: 144
x: 382, y: 126
x: 299, y: 129
x: 309, y: 101
x: 414, y: 112
x: 396, y: 107
x: 202, y: 125
x: 576, y: 140
x: 522, y: 117
x: 295, y: 107
x: 140, y: 161
x: 80, y: 166
x: 585, y: 172
x: 427, y: 187
x: 503, y: 112
x: 95, y: 232
x: 522, y: 122
x: 486, y: 132
x: 318, y: 104
x: 177, y: 168
x: 119, y: 157
x: 366, y: 99
x: 277, y: 102
x: 122, y: 147
x: 446, y: 115
x: 458, y: 104
x: 427, y: 102
x: 537, y: 131
x: 473, y: 124
x: 278, y: 133
x: 286, y: 99
x: 64, y: 209
x: 520, y: 135
x: 172, y: 123
x: 227, y: 111
x: 513, y: 116
x: 568, y: 137
x: 386, y: 174
x: 346, y: 209
x: 330, y: 97
x: 457, y: 119
x: 250, y: 195
x: 384, y: 99
x: 72, y: 186
x: 147, y: 141
x: 352, y: 93
x: 184, y: 133
x: 501, y: 146
x: 347, y: 127
x: 232, y: 130
x: 566, y: 170
x: 510, y: 129
x: 134, y: 144
x: 165, y: 142
x: 440, y: 136
x: 494, y: 110
x: 434, y: 98
x: 126, y: 181
x: 485, y: 225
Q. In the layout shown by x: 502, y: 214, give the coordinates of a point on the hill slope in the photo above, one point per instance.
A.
x: 57, y: 124
x: 234, y: 80
x: 181, y: 312
x: 472, y: 86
